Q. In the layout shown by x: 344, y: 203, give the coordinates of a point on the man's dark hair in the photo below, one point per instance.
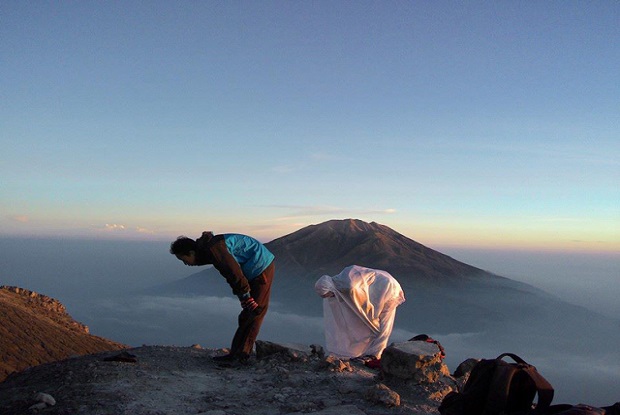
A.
x: 182, y: 246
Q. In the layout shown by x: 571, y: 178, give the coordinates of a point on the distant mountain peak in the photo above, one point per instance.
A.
x: 350, y: 225
x: 328, y: 247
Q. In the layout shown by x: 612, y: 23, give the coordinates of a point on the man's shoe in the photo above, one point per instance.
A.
x: 225, y: 358
x: 229, y: 359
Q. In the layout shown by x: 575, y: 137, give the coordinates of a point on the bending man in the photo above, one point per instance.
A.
x: 249, y: 269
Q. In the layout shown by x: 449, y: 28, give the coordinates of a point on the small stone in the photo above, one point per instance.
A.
x: 45, y: 398
x: 380, y: 393
x: 333, y: 364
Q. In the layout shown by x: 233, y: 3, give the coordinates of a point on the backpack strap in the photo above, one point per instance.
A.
x: 513, y: 357
x: 543, y: 387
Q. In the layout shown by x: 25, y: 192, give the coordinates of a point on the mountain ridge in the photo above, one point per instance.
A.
x: 37, y: 329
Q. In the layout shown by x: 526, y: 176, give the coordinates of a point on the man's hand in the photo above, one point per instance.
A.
x: 249, y: 304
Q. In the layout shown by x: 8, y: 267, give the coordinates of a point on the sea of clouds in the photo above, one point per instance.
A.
x: 100, y: 283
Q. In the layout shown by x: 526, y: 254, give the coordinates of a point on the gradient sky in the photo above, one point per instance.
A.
x: 493, y: 124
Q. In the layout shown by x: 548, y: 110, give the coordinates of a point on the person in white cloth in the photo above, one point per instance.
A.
x: 359, y: 308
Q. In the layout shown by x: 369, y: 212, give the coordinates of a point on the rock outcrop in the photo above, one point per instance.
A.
x: 36, y: 329
x: 48, y: 306
x: 419, y: 361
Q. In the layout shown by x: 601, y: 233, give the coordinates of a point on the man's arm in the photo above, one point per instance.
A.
x: 230, y: 269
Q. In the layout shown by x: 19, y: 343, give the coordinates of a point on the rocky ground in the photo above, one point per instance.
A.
x: 185, y: 380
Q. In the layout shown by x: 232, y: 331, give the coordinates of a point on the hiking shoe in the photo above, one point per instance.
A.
x: 122, y: 357
x: 242, y: 358
x: 224, y: 358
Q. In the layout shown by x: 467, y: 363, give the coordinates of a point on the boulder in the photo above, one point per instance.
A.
x: 418, y: 361
x: 293, y: 352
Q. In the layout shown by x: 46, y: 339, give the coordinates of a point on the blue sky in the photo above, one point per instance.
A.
x: 490, y: 124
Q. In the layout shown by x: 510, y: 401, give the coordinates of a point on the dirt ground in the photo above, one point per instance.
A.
x: 185, y: 380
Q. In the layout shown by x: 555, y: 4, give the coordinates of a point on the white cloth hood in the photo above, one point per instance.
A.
x: 362, y: 309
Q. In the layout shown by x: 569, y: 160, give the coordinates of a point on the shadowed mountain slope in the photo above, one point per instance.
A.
x: 36, y: 329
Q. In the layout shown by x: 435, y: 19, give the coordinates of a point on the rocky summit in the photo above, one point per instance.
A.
x: 279, y: 379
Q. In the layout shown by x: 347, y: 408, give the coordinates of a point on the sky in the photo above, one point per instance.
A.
x: 463, y: 124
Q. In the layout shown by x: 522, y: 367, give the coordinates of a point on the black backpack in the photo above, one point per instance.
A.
x: 495, y: 386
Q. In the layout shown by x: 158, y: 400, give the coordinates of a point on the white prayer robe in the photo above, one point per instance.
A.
x: 359, y: 308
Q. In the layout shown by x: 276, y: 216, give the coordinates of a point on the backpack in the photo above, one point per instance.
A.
x: 495, y: 386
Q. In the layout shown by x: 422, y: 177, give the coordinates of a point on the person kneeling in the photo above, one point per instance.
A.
x: 359, y: 309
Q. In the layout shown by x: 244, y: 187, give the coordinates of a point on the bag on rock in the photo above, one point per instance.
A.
x: 428, y: 339
x: 495, y: 386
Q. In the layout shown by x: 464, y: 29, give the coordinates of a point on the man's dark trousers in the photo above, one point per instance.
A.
x: 250, y: 322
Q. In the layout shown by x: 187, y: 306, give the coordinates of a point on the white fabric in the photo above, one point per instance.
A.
x: 359, y: 308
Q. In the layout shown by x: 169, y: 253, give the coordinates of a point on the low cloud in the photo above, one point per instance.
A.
x: 117, y: 227
x: 206, y: 320
x: 113, y: 227
x: 20, y: 218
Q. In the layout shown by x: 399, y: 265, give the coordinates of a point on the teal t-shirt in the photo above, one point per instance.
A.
x: 252, y: 255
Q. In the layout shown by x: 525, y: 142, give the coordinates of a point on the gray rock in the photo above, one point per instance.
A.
x: 416, y: 360
x: 333, y: 364
x: 45, y: 398
x: 294, y: 352
x: 381, y: 394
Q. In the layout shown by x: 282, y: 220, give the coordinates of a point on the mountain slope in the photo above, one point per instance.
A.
x: 328, y: 247
x: 36, y: 329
